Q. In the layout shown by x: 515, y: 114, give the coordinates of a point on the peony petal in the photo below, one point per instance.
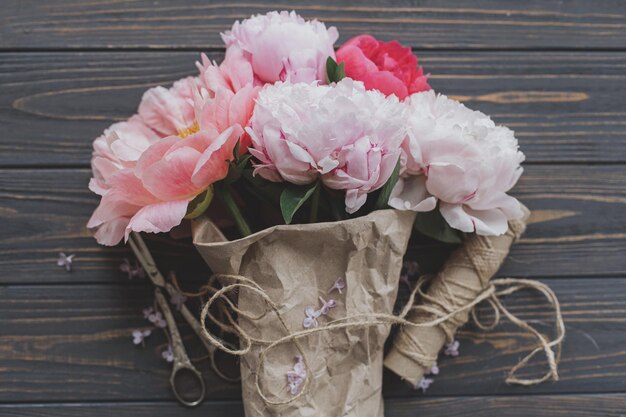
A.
x: 456, y: 217
x: 112, y: 232
x: 410, y: 194
x: 170, y: 178
x: 213, y: 164
x: 156, y: 218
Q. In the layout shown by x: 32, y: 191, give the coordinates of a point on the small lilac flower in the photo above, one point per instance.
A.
x: 132, y: 270
x: 339, y: 285
x: 66, y: 261
x: 434, y: 370
x: 156, y: 318
x: 311, y: 317
x: 168, y: 354
x: 404, y: 279
x: 296, y: 377
x: 178, y: 300
x: 327, y: 305
x: 452, y: 348
x: 147, y: 312
x: 140, y: 335
x: 424, y: 384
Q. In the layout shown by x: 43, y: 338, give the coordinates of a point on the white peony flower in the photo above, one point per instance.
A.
x: 460, y: 158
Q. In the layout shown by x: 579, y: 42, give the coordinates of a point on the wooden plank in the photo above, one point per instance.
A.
x: 563, y: 106
x: 44, y: 212
x: 425, y: 24
x: 72, y: 343
x: 605, y: 405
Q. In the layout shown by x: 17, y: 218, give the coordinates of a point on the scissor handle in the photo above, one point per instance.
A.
x: 180, y: 366
x: 181, y: 359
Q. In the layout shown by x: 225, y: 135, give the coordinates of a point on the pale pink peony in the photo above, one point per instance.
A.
x: 346, y: 136
x: 153, y: 196
x: 283, y: 46
x: 460, y: 158
x: 190, y: 131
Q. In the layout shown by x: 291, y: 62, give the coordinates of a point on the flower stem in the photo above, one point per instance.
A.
x: 315, y: 204
x: 227, y: 198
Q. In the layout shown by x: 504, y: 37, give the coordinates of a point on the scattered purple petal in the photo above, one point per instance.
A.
x: 168, y: 354
x: 339, y: 285
x: 139, y: 336
x: 311, y: 317
x: 434, y: 370
x: 452, y: 348
x: 156, y: 318
x: 147, y: 312
x: 65, y: 261
x: 424, y: 384
x: 327, y: 305
x: 178, y: 300
x: 296, y: 377
x: 132, y: 270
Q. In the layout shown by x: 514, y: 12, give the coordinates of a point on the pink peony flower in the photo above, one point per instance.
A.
x: 346, y: 136
x: 460, y: 158
x: 153, y: 196
x: 283, y: 46
x: 148, y: 169
x: 384, y: 66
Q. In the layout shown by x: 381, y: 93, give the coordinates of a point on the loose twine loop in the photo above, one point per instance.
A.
x: 490, y: 294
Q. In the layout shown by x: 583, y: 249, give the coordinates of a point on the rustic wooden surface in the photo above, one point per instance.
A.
x: 553, y: 71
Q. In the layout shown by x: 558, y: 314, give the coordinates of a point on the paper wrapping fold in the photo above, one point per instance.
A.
x: 463, y: 277
x: 295, y: 265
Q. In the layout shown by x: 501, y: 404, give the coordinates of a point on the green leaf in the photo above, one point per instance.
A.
x: 198, y: 205
x: 382, y: 201
x: 432, y: 224
x: 293, y: 197
x: 235, y: 169
x: 334, y: 72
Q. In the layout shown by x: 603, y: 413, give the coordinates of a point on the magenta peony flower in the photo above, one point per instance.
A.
x: 342, y: 134
x: 460, y: 158
x: 283, y: 46
x: 384, y: 66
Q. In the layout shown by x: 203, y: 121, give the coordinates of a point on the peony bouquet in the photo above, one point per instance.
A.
x: 304, y: 171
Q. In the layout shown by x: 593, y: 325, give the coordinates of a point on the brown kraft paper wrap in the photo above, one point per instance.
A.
x: 463, y: 277
x: 294, y: 265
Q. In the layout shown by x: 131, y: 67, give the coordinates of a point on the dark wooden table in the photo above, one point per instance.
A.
x: 554, y: 71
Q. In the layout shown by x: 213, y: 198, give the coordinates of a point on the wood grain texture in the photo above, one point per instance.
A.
x: 608, y: 405
x: 72, y: 343
x: 563, y: 106
x: 425, y: 24
x: 44, y: 212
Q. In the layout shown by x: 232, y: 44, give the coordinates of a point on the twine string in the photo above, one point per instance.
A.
x: 443, y: 313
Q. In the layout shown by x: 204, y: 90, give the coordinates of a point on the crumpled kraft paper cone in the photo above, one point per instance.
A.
x: 296, y: 264
x: 463, y: 277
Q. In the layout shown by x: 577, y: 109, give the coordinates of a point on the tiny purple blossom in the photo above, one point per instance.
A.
x: 452, y: 348
x: 296, y: 377
x: 411, y: 268
x: 434, y: 370
x: 311, y: 317
x: 66, y: 261
x: 178, y: 300
x: 147, y: 312
x: 327, y: 305
x: 339, y: 285
x: 133, y: 271
x: 140, y: 335
x: 168, y: 354
x: 424, y: 384
x: 157, y: 319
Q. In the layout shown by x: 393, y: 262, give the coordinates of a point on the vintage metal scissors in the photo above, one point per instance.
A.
x: 181, y: 359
